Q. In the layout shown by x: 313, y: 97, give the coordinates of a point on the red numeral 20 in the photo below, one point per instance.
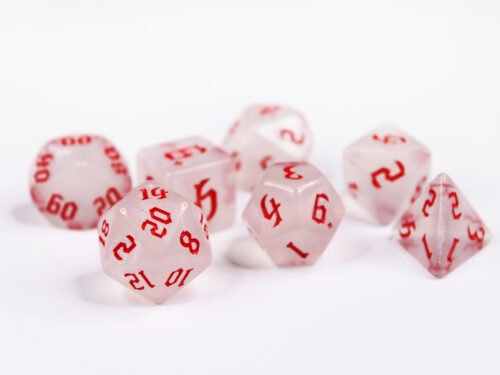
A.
x: 157, y: 216
x: 111, y: 197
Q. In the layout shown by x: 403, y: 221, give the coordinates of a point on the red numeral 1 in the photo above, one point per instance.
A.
x: 295, y: 249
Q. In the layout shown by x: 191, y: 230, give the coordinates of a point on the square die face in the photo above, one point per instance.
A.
x: 199, y: 171
x: 185, y: 154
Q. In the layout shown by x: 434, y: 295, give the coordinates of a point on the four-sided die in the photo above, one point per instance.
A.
x: 76, y: 178
x: 267, y: 134
x: 441, y: 229
x: 154, y: 242
x: 293, y: 213
x: 385, y: 172
x: 198, y: 170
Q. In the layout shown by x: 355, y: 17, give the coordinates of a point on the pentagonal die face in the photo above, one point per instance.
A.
x: 198, y: 170
x: 385, y: 172
x: 76, y: 178
x: 154, y: 242
x: 267, y: 134
x: 441, y: 229
x: 293, y: 213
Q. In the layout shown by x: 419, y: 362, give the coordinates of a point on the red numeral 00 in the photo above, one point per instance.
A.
x: 57, y: 206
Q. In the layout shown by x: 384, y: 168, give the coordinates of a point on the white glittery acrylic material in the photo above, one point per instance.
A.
x: 385, y: 171
x: 198, y: 170
x: 294, y: 213
x: 154, y: 242
x: 74, y: 179
x: 267, y: 134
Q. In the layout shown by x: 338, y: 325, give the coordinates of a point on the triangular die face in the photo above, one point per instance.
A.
x: 442, y: 230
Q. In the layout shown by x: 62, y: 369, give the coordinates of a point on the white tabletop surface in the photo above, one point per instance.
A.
x: 143, y: 71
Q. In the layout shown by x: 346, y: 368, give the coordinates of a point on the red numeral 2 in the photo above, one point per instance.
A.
x: 292, y: 136
x: 386, y: 173
x: 123, y: 247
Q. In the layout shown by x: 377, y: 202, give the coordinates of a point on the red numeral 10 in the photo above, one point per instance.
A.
x: 178, y: 277
x: 57, y: 206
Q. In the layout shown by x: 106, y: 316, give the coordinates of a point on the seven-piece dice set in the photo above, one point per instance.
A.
x: 154, y: 238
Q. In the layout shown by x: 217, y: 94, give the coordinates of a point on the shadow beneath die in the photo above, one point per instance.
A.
x: 27, y: 214
x: 98, y: 288
x: 245, y: 252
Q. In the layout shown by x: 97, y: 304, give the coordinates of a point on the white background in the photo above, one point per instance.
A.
x: 147, y: 71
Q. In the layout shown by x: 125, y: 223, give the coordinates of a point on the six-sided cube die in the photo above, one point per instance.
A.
x: 198, y: 170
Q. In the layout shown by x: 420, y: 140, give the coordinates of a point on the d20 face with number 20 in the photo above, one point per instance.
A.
x: 154, y: 242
